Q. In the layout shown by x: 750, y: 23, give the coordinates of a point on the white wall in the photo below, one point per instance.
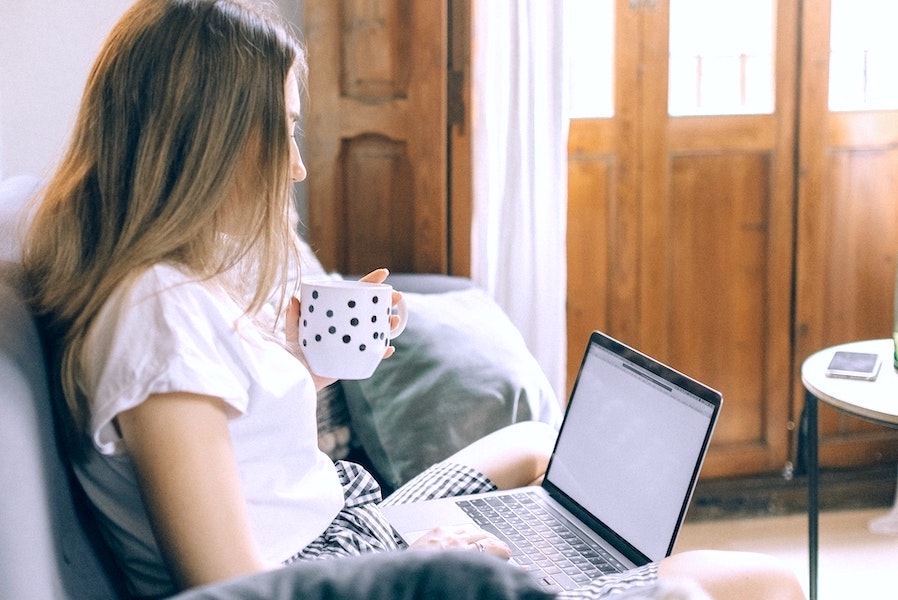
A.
x: 46, y: 50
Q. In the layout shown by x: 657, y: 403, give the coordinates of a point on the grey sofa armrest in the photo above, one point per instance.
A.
x: 392, y: 576
x: 49, y: 547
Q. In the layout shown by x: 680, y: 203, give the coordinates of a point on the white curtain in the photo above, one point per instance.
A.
x: 520, y: 171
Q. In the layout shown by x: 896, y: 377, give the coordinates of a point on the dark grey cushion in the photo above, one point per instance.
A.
x: 460, y: 371
x: 427, y: 575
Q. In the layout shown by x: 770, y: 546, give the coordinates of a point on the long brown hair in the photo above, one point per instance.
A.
x: 180, y: 138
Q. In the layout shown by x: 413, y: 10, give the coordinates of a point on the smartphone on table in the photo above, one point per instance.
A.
x: 854, y: 365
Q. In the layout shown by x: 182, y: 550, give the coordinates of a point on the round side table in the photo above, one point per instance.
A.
x: 875, y: 400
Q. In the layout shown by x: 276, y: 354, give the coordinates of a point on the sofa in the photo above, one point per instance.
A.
x: 396, y: 423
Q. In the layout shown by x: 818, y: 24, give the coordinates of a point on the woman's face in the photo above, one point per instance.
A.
x: 297, y: 168
x: 234, y: 221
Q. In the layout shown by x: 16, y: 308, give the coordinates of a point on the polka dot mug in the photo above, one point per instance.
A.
x: 344, y: 326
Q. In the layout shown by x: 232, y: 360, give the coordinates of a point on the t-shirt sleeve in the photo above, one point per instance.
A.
x: 162, y: 333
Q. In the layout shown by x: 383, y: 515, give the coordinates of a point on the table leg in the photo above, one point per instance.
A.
x: 810, y: 405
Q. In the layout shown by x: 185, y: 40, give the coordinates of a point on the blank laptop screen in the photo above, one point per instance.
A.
x: 644, y: 437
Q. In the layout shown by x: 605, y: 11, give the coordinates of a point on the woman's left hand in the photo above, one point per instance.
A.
x: 292, y: 325
x: 379, y: 276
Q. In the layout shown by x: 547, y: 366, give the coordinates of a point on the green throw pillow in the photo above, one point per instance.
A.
x: 460, y: 371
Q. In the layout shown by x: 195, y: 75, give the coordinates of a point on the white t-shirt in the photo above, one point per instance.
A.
x: 165, y: 332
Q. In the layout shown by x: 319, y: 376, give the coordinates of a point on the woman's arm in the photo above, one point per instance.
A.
x: 181, y: 449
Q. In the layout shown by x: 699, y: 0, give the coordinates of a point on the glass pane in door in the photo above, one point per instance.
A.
x: 589, y: 50
x: 863, y: 55
x: 721, y: 57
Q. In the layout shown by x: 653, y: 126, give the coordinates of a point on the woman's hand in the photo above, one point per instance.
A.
x: 462, y: 537
x: 379, y: 276
x: 292, y: 325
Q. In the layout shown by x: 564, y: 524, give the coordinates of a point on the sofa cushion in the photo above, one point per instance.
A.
x: 48, y: 546
x: 460, y: 371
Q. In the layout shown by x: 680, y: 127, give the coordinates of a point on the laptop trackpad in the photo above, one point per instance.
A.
x: 415, y: 519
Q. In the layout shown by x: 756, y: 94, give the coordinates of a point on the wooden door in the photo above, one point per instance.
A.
x: 377, y: 134
x: 847, y: 207
x: 680, y: 235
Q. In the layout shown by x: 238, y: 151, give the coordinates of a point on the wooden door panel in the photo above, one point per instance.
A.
x: 847, y: 238
x: 861, y: 215
x: 604, y: 212
x: 377, y: 187
x: 717, y: 269
x: 861, y: 218
x: 716, y: 303
x: 592, y: 177
x: 377, y: 134
x: 697, y: 243
x: 743, y: 132
x: 376, y: 47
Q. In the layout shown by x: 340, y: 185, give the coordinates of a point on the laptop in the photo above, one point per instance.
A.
x: 621, y: 475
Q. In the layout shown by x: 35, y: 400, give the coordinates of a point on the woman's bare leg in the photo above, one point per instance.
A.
x: 514, y: 456
x: 737, y: 575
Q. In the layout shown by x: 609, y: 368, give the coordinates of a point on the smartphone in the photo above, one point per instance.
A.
x: 854, y: 365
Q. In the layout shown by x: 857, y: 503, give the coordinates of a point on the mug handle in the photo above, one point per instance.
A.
x: 400, y: 310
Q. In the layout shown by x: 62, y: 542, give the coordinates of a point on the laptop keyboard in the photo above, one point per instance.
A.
x: 553, y: 551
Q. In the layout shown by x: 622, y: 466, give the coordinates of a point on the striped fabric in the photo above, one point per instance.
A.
x: 360, y: 527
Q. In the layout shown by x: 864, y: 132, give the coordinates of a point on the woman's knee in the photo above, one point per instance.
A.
x: 534, y: 440
x: 535, y: 434
x: 513, y: 456
x: 726, y: 574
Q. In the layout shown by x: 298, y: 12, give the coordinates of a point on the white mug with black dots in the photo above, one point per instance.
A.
x: 344, y: 326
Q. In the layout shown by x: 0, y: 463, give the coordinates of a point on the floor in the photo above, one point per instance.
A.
x: 853, y: 562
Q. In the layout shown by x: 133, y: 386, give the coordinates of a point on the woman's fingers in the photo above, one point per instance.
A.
x: 292, y: 319
x: 376, y: 276
x: 491, y: 545
x: 379, y: 276
x: 465, y: 537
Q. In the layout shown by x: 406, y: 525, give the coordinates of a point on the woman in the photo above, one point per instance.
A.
x: 155, y: 256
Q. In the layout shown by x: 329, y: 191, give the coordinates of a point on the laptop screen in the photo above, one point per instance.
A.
x: 632, y: 444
